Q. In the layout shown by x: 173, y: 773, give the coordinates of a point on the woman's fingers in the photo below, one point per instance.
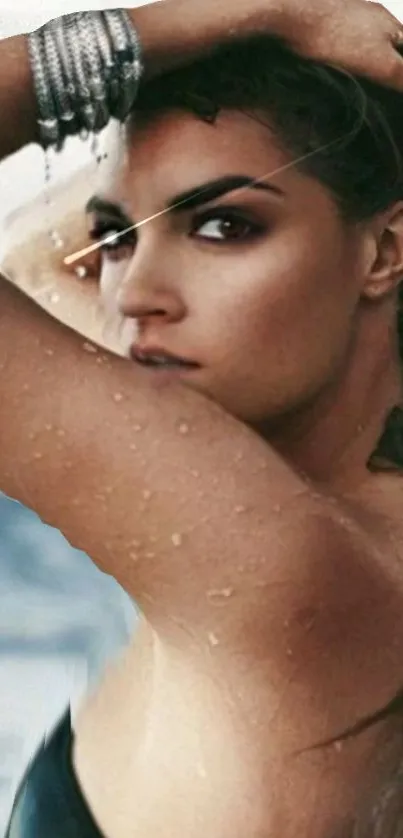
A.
x: 358, y: 36
x: 391, y: 73
x: 384, y: 60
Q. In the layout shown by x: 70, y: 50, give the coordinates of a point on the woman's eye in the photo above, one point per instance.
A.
x: 113, y: 243
x: 225, y: 227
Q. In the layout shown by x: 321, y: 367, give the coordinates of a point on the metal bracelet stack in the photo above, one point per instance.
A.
x: 86, y: 69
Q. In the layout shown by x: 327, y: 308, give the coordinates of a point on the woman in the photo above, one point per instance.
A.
x: 236, y: 478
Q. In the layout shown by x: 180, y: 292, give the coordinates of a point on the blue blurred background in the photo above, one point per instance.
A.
x: 61, y: 620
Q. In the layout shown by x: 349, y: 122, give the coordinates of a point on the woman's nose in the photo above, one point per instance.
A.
x: 145, y: 294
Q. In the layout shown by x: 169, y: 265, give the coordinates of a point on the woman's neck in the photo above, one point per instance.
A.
x: 332, y: 439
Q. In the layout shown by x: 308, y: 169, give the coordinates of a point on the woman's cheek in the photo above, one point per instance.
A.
x: 111, y: 278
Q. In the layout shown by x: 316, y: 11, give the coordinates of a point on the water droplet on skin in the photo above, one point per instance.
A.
x: 49, y: 353
x: 89, y: 347
x: 55, y: 298
x: 176, y: 539
x: 26, y: 388
x: 220, y: 595
x: 61, y: 432
x: 183, y: 428
x: 56, y: 240
x: 338, y: 746
x: 146, y: 494
x: 213, y: 639
x: 194, y: 472
x: 81, y: 272
x: 201, y: 771
x: 239, y: 509
x: 137, y: 428
x: 117, y: 397
x: 289, y: 653
x: 276, y: 507
x: 109, y: 547
x: 133, y: 556
x: 38, y: 455
x: 48, y: 427
x: 150, y: 555
x: 261, y: 583
x: 133, y: 447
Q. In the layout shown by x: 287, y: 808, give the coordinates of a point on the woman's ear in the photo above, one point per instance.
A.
x: 385, y: 249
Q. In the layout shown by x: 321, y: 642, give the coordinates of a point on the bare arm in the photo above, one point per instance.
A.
x: 156, y: 483
x: 356, y: 35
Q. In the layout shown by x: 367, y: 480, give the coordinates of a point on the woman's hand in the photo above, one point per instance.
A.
x: 356, y: 35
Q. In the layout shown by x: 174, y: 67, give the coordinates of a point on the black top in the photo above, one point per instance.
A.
x: 49, y: 802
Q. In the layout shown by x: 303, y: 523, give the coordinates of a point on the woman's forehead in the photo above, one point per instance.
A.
x: 172, y: 153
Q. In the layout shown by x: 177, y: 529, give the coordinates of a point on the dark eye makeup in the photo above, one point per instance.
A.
x: 219, y: 226
x: 226, y: 225
x: 111, y: 235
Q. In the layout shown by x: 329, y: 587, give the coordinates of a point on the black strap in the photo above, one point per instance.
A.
x: 49, y: 802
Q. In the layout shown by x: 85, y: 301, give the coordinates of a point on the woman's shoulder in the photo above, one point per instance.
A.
x: 376, y: 509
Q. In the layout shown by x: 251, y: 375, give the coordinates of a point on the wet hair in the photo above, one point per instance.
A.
x: 346, y: 132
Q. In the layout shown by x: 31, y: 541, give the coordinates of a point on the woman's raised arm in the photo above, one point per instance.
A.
x: 152, y: 480
x: 354, y: 34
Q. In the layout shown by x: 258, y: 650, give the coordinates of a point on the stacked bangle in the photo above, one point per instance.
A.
x: 86, y: 69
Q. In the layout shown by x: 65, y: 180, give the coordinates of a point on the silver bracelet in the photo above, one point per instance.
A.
x: 86, y: 69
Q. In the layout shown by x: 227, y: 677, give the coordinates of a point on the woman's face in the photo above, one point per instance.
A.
x: 256, y: 285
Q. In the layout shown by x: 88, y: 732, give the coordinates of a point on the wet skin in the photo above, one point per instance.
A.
x: 270, y: 293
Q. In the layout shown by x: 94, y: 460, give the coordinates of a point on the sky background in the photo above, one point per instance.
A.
x: 61, y: 619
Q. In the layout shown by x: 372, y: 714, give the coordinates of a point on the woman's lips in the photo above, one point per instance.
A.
x: 158, y: 358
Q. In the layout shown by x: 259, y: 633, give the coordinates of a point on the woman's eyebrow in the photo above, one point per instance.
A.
x: 214, y: 189
x: 192, y: 198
